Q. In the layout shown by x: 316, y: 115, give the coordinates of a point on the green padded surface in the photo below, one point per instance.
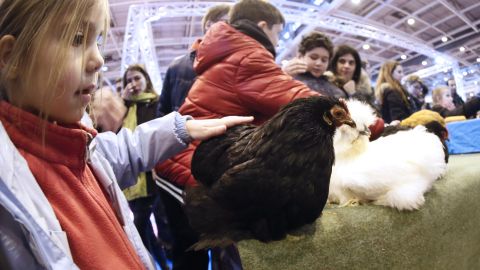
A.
x: 443, y: 234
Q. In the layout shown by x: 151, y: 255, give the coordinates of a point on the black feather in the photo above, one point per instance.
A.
x: 262, y: 182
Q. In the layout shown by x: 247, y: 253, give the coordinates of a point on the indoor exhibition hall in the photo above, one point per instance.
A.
x: 239, y: 134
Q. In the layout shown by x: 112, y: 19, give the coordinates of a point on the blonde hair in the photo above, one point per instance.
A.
x: 32, y: 23
x: 385, y: 76
x: 437, y: 94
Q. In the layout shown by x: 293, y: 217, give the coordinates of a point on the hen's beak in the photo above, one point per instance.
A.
x: 349, y: 121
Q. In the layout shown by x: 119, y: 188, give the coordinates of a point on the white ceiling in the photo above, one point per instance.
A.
x: 382, y: 24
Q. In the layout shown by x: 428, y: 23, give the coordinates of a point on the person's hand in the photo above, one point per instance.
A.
x: 205, y: 129
x: 295, y: 66
x: 129, y: 91
x: 107, y: 110
x: 349, y: 87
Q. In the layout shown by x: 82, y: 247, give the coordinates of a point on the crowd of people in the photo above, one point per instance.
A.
x: 67, y: 189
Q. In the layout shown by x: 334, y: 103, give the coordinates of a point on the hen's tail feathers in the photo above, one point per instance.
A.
x: 215, y: 224
x: 406, y: 197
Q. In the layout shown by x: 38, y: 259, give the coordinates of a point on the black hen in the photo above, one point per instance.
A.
x: 262, y: 182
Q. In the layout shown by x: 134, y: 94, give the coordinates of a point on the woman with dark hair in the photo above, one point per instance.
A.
x: 314, y: 54
x: 346, y: 66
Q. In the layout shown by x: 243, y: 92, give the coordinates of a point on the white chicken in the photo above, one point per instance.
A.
x: 393, y: 171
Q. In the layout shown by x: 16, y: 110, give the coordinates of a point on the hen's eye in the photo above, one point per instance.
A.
x: 78, y: 39
x: 338, y: 114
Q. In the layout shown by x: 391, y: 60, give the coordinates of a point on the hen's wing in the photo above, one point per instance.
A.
x: 211, y: 158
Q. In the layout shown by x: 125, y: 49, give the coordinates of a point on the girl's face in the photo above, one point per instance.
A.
x: 137, y: 81
x: 397, y: 73
x: 446, y: 100
x: 78, y: 79
x: 317, y: 61
x: 346, y: 66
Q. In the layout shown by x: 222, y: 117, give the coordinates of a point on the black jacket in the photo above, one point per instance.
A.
x: 178, y: 80
x: 394, y: 107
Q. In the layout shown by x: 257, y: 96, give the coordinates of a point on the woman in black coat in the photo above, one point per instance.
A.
x: 395, y: 102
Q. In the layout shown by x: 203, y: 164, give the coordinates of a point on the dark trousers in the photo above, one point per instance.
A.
x: 183, y: 237
x: 142, y: 209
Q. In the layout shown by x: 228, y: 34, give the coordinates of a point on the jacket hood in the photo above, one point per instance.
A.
x: 221, y: 40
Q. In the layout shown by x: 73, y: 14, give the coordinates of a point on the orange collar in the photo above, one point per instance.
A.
x: 54, y: 143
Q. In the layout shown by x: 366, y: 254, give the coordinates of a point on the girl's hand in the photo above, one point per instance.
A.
x: 349, y: 87
x: 129, y: 91
x: 205, y: 129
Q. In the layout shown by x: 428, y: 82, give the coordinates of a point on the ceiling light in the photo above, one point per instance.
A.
x: 104, y: 68
x: 462, y: 49
x: 478, y: 60
x: 444, y: 39
x: 445, y: 79
x: 411, y: 21
x: 403, y: 57
x: 424, y: 63
x: 465, y: 73
x: 366, y: 46
x: 318, y: 2
x: 286, y: 35
x: 356, y: 2
x: 439, y: 60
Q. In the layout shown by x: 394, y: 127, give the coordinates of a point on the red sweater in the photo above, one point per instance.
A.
x: 58, y: 163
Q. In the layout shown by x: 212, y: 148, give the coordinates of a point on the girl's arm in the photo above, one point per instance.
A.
x: 130, y: 153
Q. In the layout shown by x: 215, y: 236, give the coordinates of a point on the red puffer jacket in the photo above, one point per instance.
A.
x: 236, y: 76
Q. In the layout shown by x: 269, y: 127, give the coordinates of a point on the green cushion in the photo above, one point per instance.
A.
x: 443, y: 234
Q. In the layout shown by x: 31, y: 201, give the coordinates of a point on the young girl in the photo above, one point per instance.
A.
x: 60, y: 205
x: 444, y: 105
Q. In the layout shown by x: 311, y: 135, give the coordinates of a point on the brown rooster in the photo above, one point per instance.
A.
x: 262, y: 182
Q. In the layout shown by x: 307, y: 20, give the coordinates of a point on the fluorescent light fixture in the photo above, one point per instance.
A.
x: 411, y: 21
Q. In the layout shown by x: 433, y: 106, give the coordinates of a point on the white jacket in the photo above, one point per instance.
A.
x: 120, y: 156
